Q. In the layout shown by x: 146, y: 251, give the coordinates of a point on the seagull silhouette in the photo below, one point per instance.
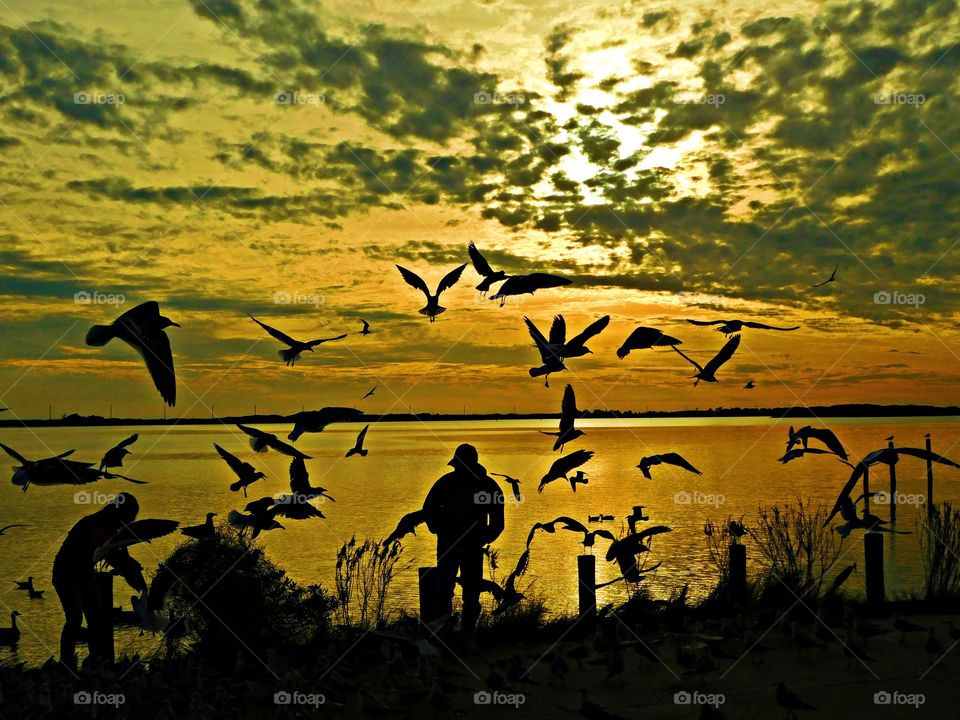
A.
x: 317, y: 420
x: 750, y: 385
x: 483, y: 268
x: 295, y: 348
x: 358, y: 448
x: 824, y: 435
x: 261, y: 441
x: 142, y: 328
x: 257, y: 522
x: 729, y: 327
x: 366, y: 328
x: 528, y: 285
x: 246, y: 473
x: 203, y: 530
x: 58, y: 471
x: 433, y: 307
x: 671, y: 458
x: 562, y: 466
x: 114, y: 456
x: 292, y: 507
x: 549, y: 351
x: 300, y: 482
x: 707, y: 373
x: 568, y: 415
x: 513, y: 482
x: 832, y: 278
x: 407, y: 526
x: 645, y: 337
x: 369, y: 392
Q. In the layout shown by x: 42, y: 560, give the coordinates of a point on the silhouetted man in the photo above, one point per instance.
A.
x: 464, y: 509
x: 74, y: 576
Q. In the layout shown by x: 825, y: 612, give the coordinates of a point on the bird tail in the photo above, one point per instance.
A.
x: 238, y: 485
x: 538, y: 371
x: 622, y: 352
x: 100, y: 335
x: 363, y: 453
x: 289, y: 355
x: 237, y: 520
x: 258, y: 444
x: 351, y: 451
x: 295, y: 433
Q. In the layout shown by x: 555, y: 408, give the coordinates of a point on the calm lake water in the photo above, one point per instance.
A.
x: 186, y: 479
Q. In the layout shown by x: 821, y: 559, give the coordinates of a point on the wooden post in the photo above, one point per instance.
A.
x: 929, y: 480
x: 866, y: 490
x: 100, y: 632
x: 738, y: 572
x: 873, y: 557
x: 428, y: 594
x: 893, y: 487
x: 587, y: 585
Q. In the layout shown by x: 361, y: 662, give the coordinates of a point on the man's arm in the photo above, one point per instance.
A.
x: 495, y: 513
x: 433, y: 506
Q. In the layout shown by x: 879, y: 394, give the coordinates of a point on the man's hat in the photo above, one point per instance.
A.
x: 465, y: 456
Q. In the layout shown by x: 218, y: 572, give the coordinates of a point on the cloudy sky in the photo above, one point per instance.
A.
x: 676, y: 160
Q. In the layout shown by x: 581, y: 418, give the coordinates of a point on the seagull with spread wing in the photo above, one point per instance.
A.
x: 261, y: 441
x: 549, y: 350
x: 513, y: 482
x: 142, y: 328
x: 729, y: 327
x: 576, y: 346
x: 358, y: 448
x: 370, y: 392
x: 568, y: 415
x: 365, y: 330
x: 643, y: 338
x: 246, y: 473
x: 480, y: 264
x: 300, y: 482
x: 798, y: 453
x: 433, y: 307
x: 670, y: 458
x: 407, y: 526
x: 295, y: 348
x: 707, y: 373
x: 824, y: 435
x: 114, y: 456
x: 58, y: 470
x: 317, y: 420
x: 832, y: 278
x: 562, y: 466
x: 528, y: 285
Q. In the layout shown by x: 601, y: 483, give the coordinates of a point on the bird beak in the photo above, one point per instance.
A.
x: 174, y: 324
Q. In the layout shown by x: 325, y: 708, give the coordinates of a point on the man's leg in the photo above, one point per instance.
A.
x: 90, y: 597
x: 471, y: 572
x: 71, y: 600
x: 448, y: 562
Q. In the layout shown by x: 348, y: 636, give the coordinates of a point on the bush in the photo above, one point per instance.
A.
x: 364, y: 573
x: 939, y: 548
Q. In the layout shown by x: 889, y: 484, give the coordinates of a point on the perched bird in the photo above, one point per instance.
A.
x: 736, y: 530
x: 202, y: 531
x: 665, y: 458
x: 407, y: 526
x: 246, y: 473
x: 7, y: 527
x: 365, y: 330
x: 358, y: 448
x: 832, y: 278
x: 483, y: 269
x: 790, y: 701
x: 58, y: 470
x: 562, y: 466
x: 261, y: 441
x: 433, y: 307
x: 317, y: 420
x: 9, y: 637
x: 114, y: 456
x: 824, y: 435
x: 513, y: 482
x: 35, y: 594
x: 295, y: 348
x: 707, y: 373
x: 527, y: 285
x: 729, y: 327
x: 645, y: 337
x: 300, y: 482
x: 750, y: 385
x: 142, y: 328
x: 568, y: 415
x: 369, y: 392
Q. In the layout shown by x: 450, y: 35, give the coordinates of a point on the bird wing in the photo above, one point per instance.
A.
x: 726, y: 352
x: 480, y: 263
x: 541, y: 342
x: 236, y: 464
x: 859, y: 469
x: 259, y: 440
x: 605, y: 534
x: 129, y: 441
x: 273, y: 332
x: 154, y: 348
x: 408, y: 524
x: 366, y: 325
x: 136, y: 532
x: 313, y: 343
x: 673, y: 458
x: 689, y: 359
x: 761, y: 326
x: 362, y: 435
x: 561, y: 466
x: 541, y: 281
x: 14, y: 454
x: 414, y: 280
x: 830, y: 439
x: 706, y: 322
x: 633, y: 544
x: 299, y: 477
x: 569, y: 523
x: 590, y: 331
x: 450, y: 279
x: 558, y: 330
x: 568, y: 409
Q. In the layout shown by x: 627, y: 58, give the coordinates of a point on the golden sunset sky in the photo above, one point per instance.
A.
x: 675, y: 160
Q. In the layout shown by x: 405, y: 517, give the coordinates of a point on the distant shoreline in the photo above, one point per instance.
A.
x: 824, y: 411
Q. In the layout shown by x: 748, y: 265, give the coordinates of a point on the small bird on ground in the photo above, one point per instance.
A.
x: 790, y: 701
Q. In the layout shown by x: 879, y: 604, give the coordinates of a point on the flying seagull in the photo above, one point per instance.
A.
x: 483, y: 268
x: 300, y: 482
x: 798, y: 453
x: 750, y: 385
x: 407, y: 526
x: 258, y: 522
x: 824, y: 435
x: 142, y: 329
x: 133, y: 533
x: 513, y: 482
x: 365, y: 330
x: 707, y: 373
x: 292, y: 507
x: 246, y: 473
x: 578, y: 478
x: 58, y: 471
x: 527, y: 285
x: 646, y: 337
x: 317, y: 420
x: 563, y: 466
x: 576, y: 346
x: 549, y: 352
x: 671, y: 458
x: 729, y: 327
x: 114, y: 456
x: 261, y: 441
x: 369, y: 392
x: 568, y: 415
x: 358, y: 448
x: 433, y: 307
x: 295, y: 348
x: 832, y: 278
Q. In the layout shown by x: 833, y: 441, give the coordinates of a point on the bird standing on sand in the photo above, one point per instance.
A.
x: 203, y: 530
x: 528, y: 285
x: 246, y: 473
x: 480, y: 264
x: 317, y: 420
x: 645, y: 337
x: 261, y: 441
x: 142, y: 328
x: 433, y: 307
x: 295, y: 348
x: 707, y: 373
x: 114, y: 456
x: 730, y: 327
x: 832, y: 278
x: 562, y: 466
x: 671, y: 458
x: 358, y: 448
x: 568, y: 415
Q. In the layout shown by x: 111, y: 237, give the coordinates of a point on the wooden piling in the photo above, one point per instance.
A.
x: 428, y: 593
x: 587, y: 575
x: 893, y: 487
x: 100, y: 632
x: 738, y: 572
x: 929, y: 480
x: 866, y: 489
x: 873, y: 562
